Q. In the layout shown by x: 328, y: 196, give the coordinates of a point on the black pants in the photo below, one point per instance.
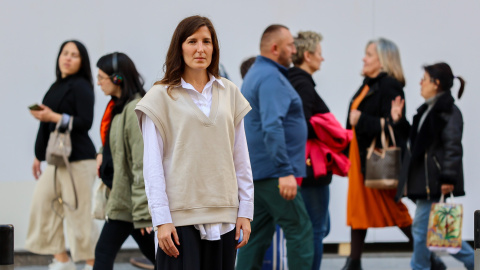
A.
x: 114, y: 234
x: 197, y: 254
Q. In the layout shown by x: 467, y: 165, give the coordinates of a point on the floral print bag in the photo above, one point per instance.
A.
x: 445, y: 226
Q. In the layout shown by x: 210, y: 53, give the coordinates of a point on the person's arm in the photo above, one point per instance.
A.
x: 243, y: 171
x: 309, y: 100
x: 369, y: 125
x: 274, y: 102
x: 134, y: 142
x: 84, y: 103
x: 155, y: 187
x: 453, y: 151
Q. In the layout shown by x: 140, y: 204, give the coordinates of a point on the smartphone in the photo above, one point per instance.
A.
x: 35, y: 107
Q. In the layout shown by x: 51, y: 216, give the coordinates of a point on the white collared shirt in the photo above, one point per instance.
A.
x: 154, y: 173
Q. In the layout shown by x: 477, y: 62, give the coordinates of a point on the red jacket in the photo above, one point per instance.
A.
x: 325, y: 152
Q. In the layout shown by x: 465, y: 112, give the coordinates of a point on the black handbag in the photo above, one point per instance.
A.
x: 382, y: 168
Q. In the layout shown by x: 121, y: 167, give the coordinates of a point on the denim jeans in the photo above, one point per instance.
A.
x: 421, y: 254
x: 316, y: 200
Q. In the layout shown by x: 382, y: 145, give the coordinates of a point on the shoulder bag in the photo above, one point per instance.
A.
x: 382, y: 168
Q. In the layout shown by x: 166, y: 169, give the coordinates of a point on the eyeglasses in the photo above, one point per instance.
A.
x: 424, y: 79
x: 101, y: 78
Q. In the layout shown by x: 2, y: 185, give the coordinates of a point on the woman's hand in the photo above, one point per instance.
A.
x: 244, y: 225
x: 99, y: 163
x: 147, y: 229
x: 287, y: 186
x: 397, y: 108
x: 165, y: 242
x: 354, y: 117
x: 447, y: 188
x: 36, y: 168
x: 46, y: 114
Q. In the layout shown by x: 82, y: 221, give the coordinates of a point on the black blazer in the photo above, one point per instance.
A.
x: 74, y: 96
x: 435, y: 151
x: 377, y: 104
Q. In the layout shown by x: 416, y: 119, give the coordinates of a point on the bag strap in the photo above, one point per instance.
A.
x: 442, y: 198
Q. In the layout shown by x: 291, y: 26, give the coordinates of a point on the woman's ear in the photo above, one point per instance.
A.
x: 306, y: 56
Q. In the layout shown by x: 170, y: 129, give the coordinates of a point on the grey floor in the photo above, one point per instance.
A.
x: 380, y: 261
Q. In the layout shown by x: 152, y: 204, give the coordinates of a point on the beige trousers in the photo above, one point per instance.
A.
x: 45, y: 232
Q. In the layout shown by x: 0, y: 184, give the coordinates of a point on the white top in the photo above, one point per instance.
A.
x: 153, y: 171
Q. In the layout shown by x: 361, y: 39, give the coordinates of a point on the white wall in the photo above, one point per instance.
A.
x: 425, y: 30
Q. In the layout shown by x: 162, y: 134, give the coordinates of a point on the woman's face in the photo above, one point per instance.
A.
x: 108, y: 87
x: 371, y: 63
x: 316, y: 59
x: 428, y: 87
x: 198, y: 49
x: 69, y: 61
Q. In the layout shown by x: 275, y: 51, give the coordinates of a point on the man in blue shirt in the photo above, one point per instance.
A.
x: 276, y: 134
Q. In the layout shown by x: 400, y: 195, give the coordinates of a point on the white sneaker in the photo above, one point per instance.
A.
x: 56, y: 265
x: 88, y: 267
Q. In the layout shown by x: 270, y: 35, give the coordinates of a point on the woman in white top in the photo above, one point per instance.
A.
x: 197, y: 170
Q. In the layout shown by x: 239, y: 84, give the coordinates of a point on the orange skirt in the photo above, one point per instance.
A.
x: 367, y: 207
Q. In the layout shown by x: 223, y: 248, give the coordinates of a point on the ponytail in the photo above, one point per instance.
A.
x: 462, y: 86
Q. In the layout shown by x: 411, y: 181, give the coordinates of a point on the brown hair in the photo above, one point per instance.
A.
x: 443, y: 73
x: 245, y: 66
x: 174, y: 64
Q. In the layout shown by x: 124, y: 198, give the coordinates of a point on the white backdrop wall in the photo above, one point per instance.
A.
x: 426, y: 31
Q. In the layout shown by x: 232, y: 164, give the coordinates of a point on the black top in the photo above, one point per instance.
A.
x: 312, y: 102
x: 74, y: 96
x: 377, y: 104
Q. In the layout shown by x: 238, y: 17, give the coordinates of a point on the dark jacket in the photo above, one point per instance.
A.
x: 74, y: 96
x: 312, y: 104
x: 376, y: 104
x: 434, y: 155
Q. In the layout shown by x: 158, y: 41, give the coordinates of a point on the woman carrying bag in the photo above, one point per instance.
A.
x: 433, y: 162
x: 367, y: 207
x: 60, y: 196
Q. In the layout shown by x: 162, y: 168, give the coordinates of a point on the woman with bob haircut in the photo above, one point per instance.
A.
x: 366, y: 207
x: 433, y: 164
x: 58, y: 197
x: 197, y: 170
x: 120, y: 162
x: 315, y: 191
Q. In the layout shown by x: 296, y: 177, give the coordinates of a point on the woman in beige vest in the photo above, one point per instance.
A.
x: 197, y: 170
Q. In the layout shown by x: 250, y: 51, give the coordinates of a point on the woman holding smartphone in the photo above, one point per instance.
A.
x: 69, y: 98
x: 197, y: 170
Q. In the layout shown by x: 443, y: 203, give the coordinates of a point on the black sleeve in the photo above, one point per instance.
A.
x: 369, y: 125
x: 84, y: 105
x: 41, y: 141
x: 452, y: 143
x: 312, y: 104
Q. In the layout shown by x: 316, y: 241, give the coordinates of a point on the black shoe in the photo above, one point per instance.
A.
x: 352, y: 264
x: 142, y: 262
x: 437, y: 263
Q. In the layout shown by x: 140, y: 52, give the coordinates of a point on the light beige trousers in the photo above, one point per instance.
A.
x: 46, y: 228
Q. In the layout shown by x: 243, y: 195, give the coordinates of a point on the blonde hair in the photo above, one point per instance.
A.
x: 305, y: 42
x: 389, y: 57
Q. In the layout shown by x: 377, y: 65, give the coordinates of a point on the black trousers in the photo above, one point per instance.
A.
x: 197, y: 254
x: 114, y: 234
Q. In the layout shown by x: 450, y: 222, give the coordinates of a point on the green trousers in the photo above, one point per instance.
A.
x: 271, y: 209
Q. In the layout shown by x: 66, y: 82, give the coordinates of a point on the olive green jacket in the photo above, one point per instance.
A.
x: 127, y: 200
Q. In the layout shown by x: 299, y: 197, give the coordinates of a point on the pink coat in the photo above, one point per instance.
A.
x: 325, y: 153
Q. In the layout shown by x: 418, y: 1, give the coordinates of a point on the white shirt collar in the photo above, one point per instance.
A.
x: 207, y: 86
